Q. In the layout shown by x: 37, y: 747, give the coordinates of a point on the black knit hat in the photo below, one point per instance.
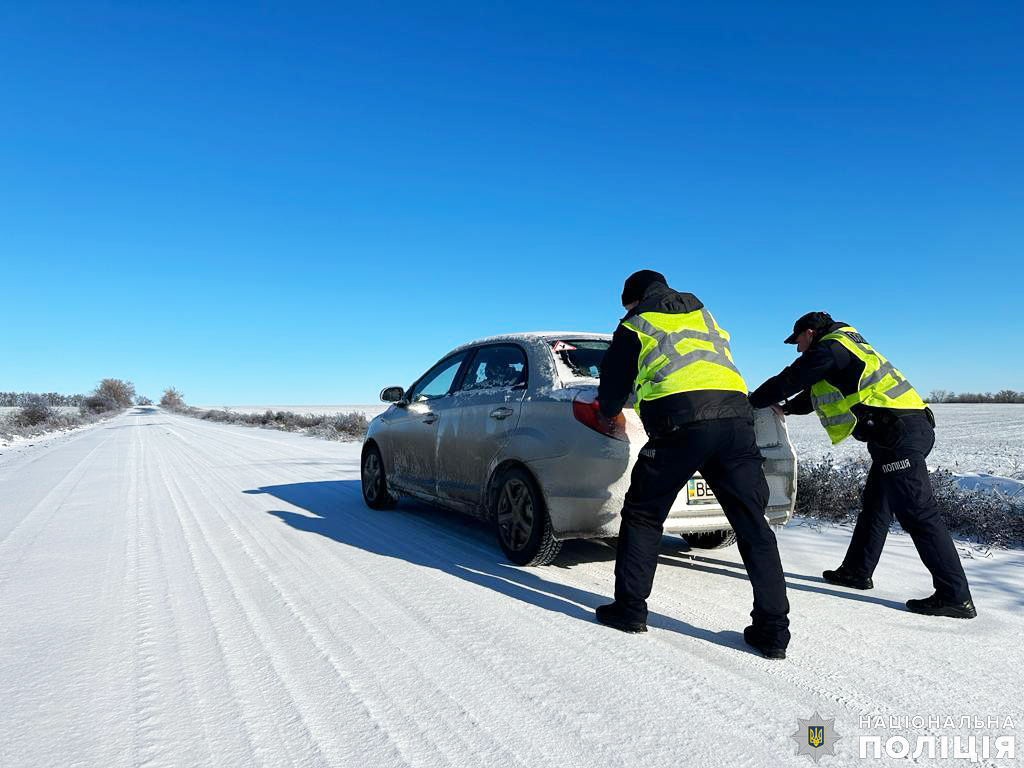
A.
x: 816, y: 320
x: 639, y: 282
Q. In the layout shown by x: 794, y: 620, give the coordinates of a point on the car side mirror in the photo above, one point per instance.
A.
x: 392, y: 394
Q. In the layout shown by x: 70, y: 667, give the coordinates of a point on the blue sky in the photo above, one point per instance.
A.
x: 302, y: 203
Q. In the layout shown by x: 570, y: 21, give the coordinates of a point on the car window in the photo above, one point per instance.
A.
x: 500, y: 366
x: 438, y: 380
x: 582, y: 356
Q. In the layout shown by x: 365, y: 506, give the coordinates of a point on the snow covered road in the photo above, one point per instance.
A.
x: 178, y: 592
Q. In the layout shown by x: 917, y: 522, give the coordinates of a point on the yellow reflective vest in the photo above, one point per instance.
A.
x: 682, y: 353
x: 881, y: 386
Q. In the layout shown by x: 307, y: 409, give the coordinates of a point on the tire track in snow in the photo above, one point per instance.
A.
x: 265, y: 698
x: 228, y: 736
x: 407, y: 611
x: 816, y: 665
x: 488, y: 552
x: 321, y: 635
x: 20, y: 539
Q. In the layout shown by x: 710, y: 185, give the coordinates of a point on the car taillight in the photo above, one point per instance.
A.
x: 590, y: 415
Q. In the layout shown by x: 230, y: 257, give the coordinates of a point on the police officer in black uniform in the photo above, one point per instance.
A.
x: 898, y: 439
x: 708, y: 427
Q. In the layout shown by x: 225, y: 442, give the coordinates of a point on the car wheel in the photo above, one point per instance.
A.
x: 711, y: 539
x: 524, y: 528
x: 375, y: 486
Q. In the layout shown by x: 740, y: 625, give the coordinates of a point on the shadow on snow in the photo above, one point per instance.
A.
x: 464, y: 547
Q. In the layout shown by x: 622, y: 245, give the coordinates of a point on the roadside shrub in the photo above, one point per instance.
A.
x: 829, y: 491
x: 34, y: 410
x: 143, y: 400
x: 172, y: 399
x: 353, y: 424
x: 345, y: 426
x: 989, y: 517
x: 97, y: 403
x: 37, y: 417
x: 120, y: 391
x: 832, y: 492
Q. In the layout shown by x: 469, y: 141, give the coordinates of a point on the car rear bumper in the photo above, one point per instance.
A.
x: 584, y: 490
x: 583, y: 518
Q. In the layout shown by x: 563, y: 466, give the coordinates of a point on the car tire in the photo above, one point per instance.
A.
x: 711, y: 539
x: 375, y: 484
x: 521, y: 520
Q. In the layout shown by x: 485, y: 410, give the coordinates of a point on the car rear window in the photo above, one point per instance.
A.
x: 581, y: 356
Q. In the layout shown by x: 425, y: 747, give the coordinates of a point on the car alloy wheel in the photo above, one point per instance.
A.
x: 372, y: 476
x: 524, y: 528
x: 375, y: 488
x: 515, y: 514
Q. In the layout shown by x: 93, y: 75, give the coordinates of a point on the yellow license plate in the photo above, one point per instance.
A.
x: 699, y: 492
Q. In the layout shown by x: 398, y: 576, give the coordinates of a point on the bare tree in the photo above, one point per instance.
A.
x: 172, y: 399
x: 120, y: 391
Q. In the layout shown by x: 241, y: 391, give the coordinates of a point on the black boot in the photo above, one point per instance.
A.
x: 613, y: 615
x: 846, y: 578
x: 936, y: 606
x: 768, y: 648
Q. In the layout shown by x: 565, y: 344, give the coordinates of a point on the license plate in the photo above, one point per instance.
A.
x: 699, y: 492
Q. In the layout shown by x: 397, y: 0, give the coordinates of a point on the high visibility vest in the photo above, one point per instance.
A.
x: 682, y: 353
x: 881, y: 386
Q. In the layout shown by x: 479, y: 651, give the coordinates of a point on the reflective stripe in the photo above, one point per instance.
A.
x: 900, y: 389
x: 681, y: 361
x: 716, y: 338
x: 842, y: 418
x: 883, y: 370
x: 826, y: 399
x: 666, y: 346
x: 881, y: 386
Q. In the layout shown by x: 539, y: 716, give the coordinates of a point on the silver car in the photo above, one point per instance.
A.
x: 506, y: 429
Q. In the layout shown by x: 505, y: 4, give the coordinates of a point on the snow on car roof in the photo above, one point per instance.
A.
x: 536, y: 335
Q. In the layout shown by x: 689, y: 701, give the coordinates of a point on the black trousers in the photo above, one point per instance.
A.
x: 898, y: 484
x: 726, y: 453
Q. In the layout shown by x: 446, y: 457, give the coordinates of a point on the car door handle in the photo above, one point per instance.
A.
x: 429, y: 418
x: 501, y: 413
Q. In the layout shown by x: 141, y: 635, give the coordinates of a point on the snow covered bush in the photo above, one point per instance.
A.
x: 36, y: 418
x: 834, y: 492
x: 172, y: 399
x: 989, y: 517
x: 830, y: 491
x: 96, y: 403
x: 120, y: 391
x: 34, y: 410
x: 345, y: 426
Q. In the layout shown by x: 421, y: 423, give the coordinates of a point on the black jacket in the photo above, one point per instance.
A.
x: 828, y: 360
x: 831, y: 361
x: 621, y: 362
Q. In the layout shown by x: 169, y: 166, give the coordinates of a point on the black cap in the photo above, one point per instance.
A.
x: 639, y: 282
x: 815, y: 320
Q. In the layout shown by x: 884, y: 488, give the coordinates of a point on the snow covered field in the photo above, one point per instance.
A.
x: 175, y: 592
x: 968, y: 438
